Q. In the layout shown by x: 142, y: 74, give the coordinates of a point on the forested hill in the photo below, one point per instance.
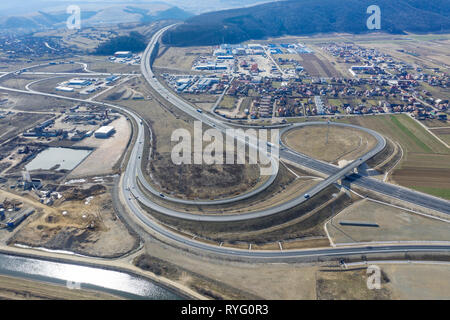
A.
x: 305, y: 17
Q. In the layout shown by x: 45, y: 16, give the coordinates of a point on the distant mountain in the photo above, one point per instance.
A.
x: 108, y: 15
x: 173, y: 13
x: 305, y: 17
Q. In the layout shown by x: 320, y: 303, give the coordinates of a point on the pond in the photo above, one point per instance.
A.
x: 63, y: 158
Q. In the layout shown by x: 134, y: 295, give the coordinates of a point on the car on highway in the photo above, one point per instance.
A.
x: 161, y: 195
x: 306, y: 196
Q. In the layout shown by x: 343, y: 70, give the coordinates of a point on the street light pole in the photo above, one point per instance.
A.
x: 328, y: 129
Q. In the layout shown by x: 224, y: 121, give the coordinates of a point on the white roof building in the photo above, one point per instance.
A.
x: 64, y: 89
x: 104, y: 132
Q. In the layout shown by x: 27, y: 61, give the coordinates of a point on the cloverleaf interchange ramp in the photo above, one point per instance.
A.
x: 334, y: 173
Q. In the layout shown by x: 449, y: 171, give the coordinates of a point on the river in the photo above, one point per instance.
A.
x: 76, y: 276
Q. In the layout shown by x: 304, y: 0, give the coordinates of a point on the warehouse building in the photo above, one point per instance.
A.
x: 123, y: 54
x: 64, y: 89
x: 104, y: 132
x: 79, y: 82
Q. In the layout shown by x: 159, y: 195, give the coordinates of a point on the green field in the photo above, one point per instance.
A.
x: 410, y: 134
x: 438, y: 192
x: 403, y: 129
x: 425, y: 165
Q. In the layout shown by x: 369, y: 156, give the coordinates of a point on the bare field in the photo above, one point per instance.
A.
x: 203, y: 181
x: 425, y: 163
x: 394, y: 225
x: 284, y: 187
x: 33, y: 103
x: 418, y: 281
x: 103, y: 65
x: 19, y: 82
x: 337, y: 284
x: 318, y: 66
x: 180, y: 59
x: 59, y: 68
x: 107, y: 152
x: 12, y: 125
x: 88, y: 226
x: 344, y: 144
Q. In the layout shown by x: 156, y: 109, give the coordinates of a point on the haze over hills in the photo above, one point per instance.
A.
x: 305, y: 17
x: 92, y: 15
x: 42, y: 14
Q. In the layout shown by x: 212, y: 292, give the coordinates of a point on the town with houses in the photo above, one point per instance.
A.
x: 279, y: 87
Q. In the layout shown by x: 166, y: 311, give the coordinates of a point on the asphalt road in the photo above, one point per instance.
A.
x: 335, y: 173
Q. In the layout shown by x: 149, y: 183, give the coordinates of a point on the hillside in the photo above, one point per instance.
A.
x: 134, y: 42
x: 114, y: 14
x: 305, y: 17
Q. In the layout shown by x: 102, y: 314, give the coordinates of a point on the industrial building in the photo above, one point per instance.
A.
x: 123, y: 54
x: 19, y: 217
x: 79, y: 82
x: 211, y: 67
x: 104, y: 132
x: 64, y: 89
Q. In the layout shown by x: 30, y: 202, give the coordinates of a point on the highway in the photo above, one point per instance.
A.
x: 129, y: 179
x: 335, y: 173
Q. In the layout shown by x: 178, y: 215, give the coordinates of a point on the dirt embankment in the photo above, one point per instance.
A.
x: 208, y: 287
x: 74, y: 193
x: 86, y: 224
x: 301, y: 222
x: 21, y: 289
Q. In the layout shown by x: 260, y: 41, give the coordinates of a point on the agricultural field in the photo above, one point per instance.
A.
x: 416, y: 50
x: 426, y: 162
x: 443, y: 133
x: 317, y: 66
